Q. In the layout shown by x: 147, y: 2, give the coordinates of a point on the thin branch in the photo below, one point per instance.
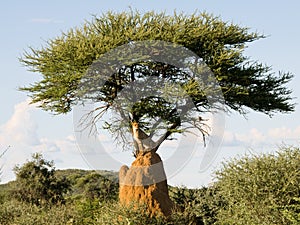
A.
x: 2, y: 154
x: 89, y: 120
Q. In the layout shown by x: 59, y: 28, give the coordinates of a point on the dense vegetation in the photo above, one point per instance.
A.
x: 261, y: 189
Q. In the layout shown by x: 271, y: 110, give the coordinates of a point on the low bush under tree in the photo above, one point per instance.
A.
x: 36, y: 182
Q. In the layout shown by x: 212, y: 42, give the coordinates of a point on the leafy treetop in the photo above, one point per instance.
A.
x: 64, y: 60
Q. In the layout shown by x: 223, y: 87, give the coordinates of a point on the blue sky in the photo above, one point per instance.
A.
x: 28, y: 130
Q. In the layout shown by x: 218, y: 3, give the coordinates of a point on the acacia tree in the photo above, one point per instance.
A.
x: 65, y: 61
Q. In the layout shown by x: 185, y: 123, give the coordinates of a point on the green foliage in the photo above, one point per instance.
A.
x: 116, y: 214
x: 85, y: 213
x: 91, y: 185
x: 64, y: 60
x: 292, y: 211
x: 96, y: 186
x: 15, y: 212
x: 202, y: 205
x: 36, y: 182
x: 260, y: 189
x: 251, y: 190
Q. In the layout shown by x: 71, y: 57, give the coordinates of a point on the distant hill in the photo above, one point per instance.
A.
x: 79, y: 173
x: 80, y: 181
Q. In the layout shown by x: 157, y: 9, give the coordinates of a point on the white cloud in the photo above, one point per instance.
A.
x: 66, y: 144
x: 230, y: 139
x: 285, y: 133
x: 20, y: 128
x: 255, y: 137
x: 21, y: 133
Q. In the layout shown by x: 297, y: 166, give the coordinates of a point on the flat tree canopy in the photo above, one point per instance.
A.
x: 245, y: 84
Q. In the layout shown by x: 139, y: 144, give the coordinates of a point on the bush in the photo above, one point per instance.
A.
x: 292, y: 212
x: 15, y: 212
x: 200, y: 205
x: 95, y: 186
x: 36, y: 182
x: 116, y: 214
x: 260, y: 189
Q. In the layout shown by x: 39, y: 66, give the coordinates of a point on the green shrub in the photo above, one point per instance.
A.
x: 292, y: 212
x: 112, y: 213
x: 257, y: 188
x: 16, y: 212
x: 116, y: 214
x: 87, y: 213
x: 36, y: 182
x: 95, y: 186
x: 200, y: 205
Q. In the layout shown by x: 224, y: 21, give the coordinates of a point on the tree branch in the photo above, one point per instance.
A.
x: 85, y: 122
x: 165, y: 136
